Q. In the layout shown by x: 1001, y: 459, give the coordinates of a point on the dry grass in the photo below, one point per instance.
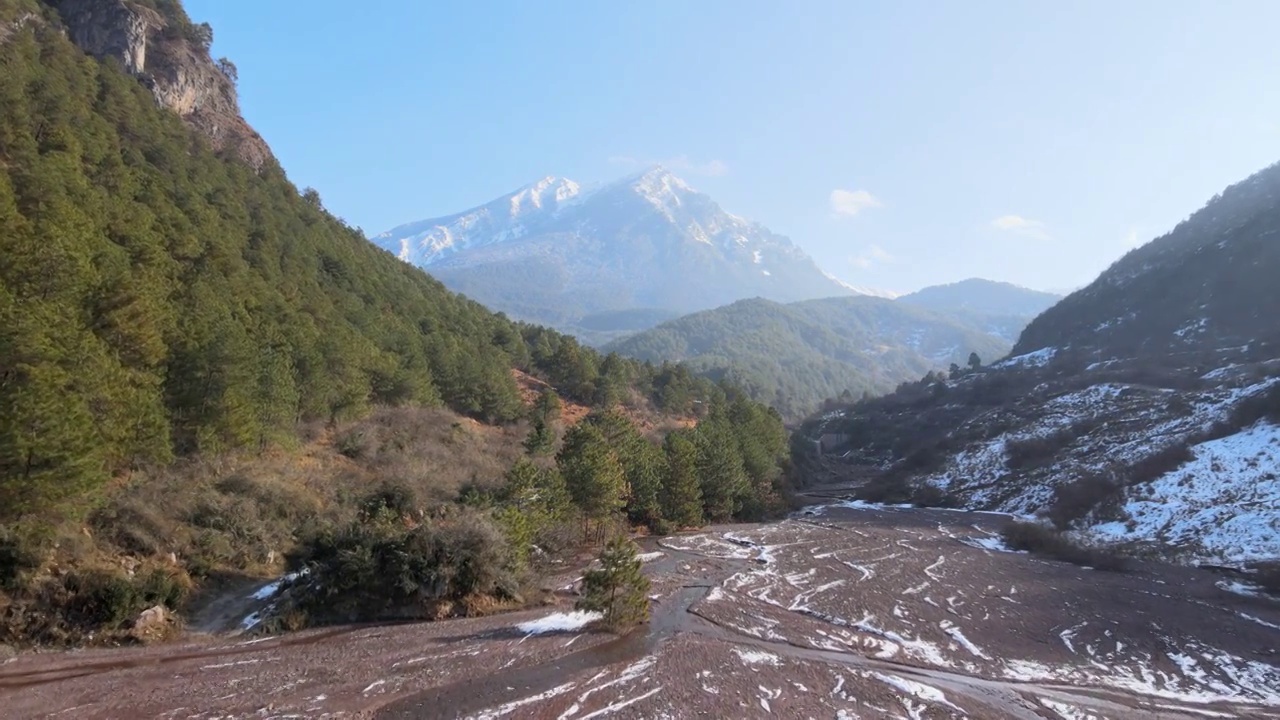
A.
x: 242, y: 513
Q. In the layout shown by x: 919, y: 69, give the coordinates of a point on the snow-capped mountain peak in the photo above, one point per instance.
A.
x: 549, y: 192
x: 507, y: 218
x: 554, y: 250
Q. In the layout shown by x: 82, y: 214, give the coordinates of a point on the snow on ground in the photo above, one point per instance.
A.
x: 756, y: 657
x: 1223, y: 505
x: 994, y: 544
x: 912, y: 688
x: 1039, y: 358
x: 709, y: 545
x: 1242, y: 588
x: 559, y: 622
x: 1229, y: 490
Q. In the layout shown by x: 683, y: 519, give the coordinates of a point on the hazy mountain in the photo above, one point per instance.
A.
x: 796, y: 355
x: 984, y: 297
x: 556, y: 252
x: 996, y: 308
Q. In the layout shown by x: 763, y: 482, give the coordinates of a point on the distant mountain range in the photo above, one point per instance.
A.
x: 647, y: 246
x: 796, y: 355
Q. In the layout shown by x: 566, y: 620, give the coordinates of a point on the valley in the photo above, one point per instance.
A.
x: 845, y: 610
x: 608, y: 450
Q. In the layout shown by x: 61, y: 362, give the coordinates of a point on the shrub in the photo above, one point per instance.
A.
x: 884, y: 490
x: 1160, y: 463
x: 1034, y: 452
x: 1042, y: 540
x: 367, y: 571
x: 1256, y: 407
x: 1075, y: 500
x: 16, y: 558
x: 392, y: 498
x: 352, y: 444
x: 1268, y: 577
x: 926, y: 496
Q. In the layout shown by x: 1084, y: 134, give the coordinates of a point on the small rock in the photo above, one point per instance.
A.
x: 153, y: 624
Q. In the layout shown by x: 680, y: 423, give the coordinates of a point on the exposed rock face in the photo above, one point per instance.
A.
x: 7, y: 29
x: 110, y: 28
x: 179, y: 73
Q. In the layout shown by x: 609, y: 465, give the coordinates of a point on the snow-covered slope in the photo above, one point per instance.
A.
x: 1186, y: 462
x: 1141, y: 409
x: 556, y: 252
x: 1224, y: 504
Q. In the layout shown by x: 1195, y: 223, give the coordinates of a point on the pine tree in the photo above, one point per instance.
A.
x: 541, y: 438
x: 617, y: 589
x: 645, y: 474
x: 720, y: 469
x: 547, y: 406
x: 593, y: 475
x: 975, y: 362
x: 681, y: 494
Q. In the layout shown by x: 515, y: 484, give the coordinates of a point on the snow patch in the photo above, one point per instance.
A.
x: 756, y: 657
x: 560, y: 622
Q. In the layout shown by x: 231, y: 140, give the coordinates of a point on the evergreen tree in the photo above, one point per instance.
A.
x: 721, y: 472
x: 642, y: 462
x: 645, y: 473
x: 762, y: 443
x: 681, y: 493
x: 593, y: 475
x: 541, y: 440
x: 547, y: 406
x: 618, y: 589
x: 975, y: 362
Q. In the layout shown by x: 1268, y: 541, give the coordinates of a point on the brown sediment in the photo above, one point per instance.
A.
x: 874, y: 613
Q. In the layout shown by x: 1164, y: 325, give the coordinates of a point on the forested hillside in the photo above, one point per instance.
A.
x: 795, y: 356
x: 161, y: 300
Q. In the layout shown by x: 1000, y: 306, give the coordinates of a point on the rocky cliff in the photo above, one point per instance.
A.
x: 157, y: 43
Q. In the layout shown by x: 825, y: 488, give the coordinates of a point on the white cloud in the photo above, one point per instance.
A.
x: 1019, y: 225
x: 680, y: 164
x: 851, y: 202
x: 873, y: 255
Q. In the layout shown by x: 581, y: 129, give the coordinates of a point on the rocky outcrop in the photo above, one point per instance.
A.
x: 160, y: 52
x: 7, y: 29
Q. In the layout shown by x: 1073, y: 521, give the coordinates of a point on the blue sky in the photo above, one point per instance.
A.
x: 902, y: 143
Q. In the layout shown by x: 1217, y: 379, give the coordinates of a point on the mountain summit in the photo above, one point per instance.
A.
x: 556, y: 252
